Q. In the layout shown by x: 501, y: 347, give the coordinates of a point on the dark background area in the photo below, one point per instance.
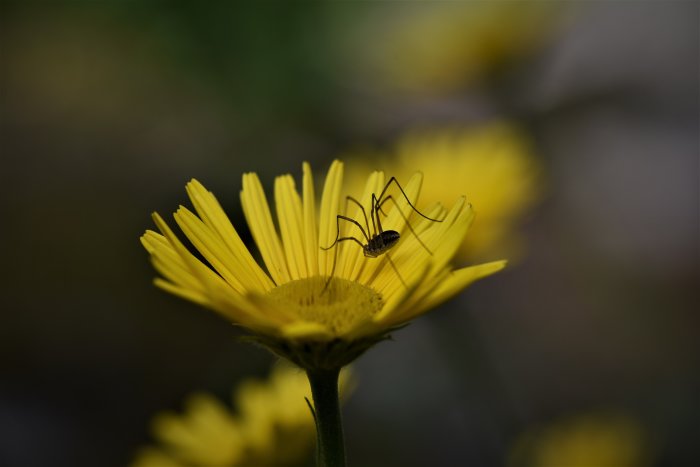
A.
x: 108, y: 108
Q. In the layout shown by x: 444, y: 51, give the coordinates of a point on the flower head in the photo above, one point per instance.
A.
x: 439, y: 47
x: 601, y: 439
x: 314, y: 300
x: 272, y: 425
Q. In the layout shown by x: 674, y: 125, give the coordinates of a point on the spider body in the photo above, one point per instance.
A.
x: 381, y: 243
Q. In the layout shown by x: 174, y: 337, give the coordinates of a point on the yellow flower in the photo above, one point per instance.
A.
x: 492, y: 164
x: 595, y: 439
x: 320, y: 307
x: 442, y: 46
x: 272, y: 426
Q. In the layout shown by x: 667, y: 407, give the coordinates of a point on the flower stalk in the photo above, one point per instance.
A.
x: 329, y: 426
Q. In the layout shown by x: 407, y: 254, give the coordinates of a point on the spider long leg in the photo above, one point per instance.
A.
x: 374, y: 214
x: 364, y: 213
x: 386, y: 187
x: 335, y: 258
x: 379, y: 206
x: 337, y: 235
x: 342, y: 239
x: 330, y: 276
x: 408, y: 224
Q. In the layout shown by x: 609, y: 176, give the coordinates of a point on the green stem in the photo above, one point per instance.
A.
x: 329, y: 426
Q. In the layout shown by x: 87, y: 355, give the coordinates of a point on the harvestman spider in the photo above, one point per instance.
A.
x: 381, y: 240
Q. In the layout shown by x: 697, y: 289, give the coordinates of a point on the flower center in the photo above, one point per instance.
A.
x: 340, y: 306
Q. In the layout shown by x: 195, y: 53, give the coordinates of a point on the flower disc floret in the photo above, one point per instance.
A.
x: 338, y: 304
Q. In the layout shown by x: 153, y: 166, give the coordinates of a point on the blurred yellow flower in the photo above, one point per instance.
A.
x: 492, y: 164
x: 589, y: 440
x: 320, y: 307
x: 443, y: 46
x: 272, y: 426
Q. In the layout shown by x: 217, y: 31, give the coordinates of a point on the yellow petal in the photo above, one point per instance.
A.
x: 449, y: 239
x: 453, y: 284
x: 168, y: 263
x: 327, y: 222
x: 208, y: 278
x: 289, y: 214
x: 210, y: 211
x: 182, y: 292
x: 399, y: 295
x: 213, y: 250
x: 249, y: 312
x: 257, y: 213
x: 310, y: 228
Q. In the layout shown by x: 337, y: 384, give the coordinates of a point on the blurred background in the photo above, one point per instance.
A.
x: 589, y: 338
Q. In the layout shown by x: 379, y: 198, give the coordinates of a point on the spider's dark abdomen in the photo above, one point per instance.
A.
x: 380, y: 244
